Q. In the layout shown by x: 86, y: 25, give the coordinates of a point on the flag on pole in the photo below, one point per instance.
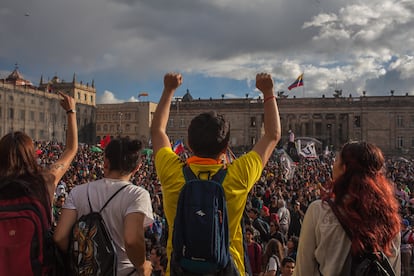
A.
x: 178, y: 147
x: 298, y: 82
x: 143, y: 94
x: 309, y: 151
x: 230, y: 156
x: 105, y: 141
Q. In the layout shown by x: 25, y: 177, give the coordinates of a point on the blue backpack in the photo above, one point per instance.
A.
x: 201, y: 232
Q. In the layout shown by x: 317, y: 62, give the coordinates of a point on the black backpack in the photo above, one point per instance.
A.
x: 91, y: 250
x: 366, y: 264
x: 201, y: 232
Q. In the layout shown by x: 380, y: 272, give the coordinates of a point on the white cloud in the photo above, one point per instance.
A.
x: 108, y: 98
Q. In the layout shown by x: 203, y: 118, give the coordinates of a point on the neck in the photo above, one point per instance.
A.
x: 118, y: 175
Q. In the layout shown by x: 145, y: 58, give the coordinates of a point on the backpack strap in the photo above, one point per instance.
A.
x: 106, y: 203
x: 339, y: 217
x: 218, y: 177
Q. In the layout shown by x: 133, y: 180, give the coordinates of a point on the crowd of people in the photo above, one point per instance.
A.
x: 278, y: 196
x: 279, y: 203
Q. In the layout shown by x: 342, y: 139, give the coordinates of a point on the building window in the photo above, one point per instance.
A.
x: 357, y: 121
x: 111, y: 128
x: 32, y: 132
x: 182, y: 123
x: 400, y: 142
x: 32, y: 116
x: 91, y: 99
x: 252, y: 121
x: 400, y: 121
x: 22, y: 114
x: 318, y: 129
x: 171, y: 122
x: 127, y: 128
x: 79, y: 95
x: 105, y: 127
x: 1, y: 112
x: 412, y: 142
x: 98, y: 127
x: 252, y: 140
x: 41, y: 134
x: 11, y: 113
x: 41, y: 117
x: 85, y: 97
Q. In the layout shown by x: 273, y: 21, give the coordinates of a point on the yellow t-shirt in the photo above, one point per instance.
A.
x: 241, y: 175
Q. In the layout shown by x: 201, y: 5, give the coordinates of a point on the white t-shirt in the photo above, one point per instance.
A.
x: 130, y: 200
x: 272, y: 265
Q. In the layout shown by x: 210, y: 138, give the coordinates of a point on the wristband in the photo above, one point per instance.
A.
x: 268, y: 98
x: 70, y: 111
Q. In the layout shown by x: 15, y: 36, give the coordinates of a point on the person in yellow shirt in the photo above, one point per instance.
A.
x: 208, y: 139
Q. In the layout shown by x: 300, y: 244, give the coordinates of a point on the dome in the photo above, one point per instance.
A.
x: 187, y: 97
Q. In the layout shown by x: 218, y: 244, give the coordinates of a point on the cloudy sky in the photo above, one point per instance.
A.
x: 126, y: 46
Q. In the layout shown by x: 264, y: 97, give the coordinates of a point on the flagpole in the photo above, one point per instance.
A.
x: 303, y: 86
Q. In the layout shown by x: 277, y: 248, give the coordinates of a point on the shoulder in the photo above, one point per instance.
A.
x: 247, y: 167
x: 164, y: 155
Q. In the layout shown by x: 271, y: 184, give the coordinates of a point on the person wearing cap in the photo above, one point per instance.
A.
x: 259, y: 224
x: 265, y: 214
x: 407, y: 240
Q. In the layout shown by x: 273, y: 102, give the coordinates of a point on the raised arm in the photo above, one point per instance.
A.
x: 159, y: 136
x: 266, y: 144
x: 59, y: 168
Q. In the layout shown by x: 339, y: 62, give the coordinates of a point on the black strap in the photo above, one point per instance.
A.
x: 106, y: 203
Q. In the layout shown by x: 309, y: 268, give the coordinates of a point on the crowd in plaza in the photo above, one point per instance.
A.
x: 272, y: 194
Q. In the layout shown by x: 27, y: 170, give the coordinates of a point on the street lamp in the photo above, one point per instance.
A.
x: 120, y: 122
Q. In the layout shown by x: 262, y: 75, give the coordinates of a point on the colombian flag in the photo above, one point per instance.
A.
x: 298, y: 82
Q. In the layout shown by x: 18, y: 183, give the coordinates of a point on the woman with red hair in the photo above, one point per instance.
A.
x: 365, y: 199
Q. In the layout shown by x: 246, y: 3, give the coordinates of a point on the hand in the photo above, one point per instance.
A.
x: 67, y: 102
x: 172, y: 81
x: 264, y: 83
x: 146, y: 268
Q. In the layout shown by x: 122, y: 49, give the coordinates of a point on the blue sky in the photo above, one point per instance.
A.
x: 126, y: 46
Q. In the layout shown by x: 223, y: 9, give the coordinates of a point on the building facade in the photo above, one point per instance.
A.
x: 387, y: 121
x: 37, y: 111
x: 129, y: 119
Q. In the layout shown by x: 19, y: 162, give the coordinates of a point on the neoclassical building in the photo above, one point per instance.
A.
x: 37, y: 110
x: 387, y: 121
x: 129, y: 119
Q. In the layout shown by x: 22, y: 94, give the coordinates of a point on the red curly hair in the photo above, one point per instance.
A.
x: 366, y: 197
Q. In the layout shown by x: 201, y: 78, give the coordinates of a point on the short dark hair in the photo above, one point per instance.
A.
x: 287, y: 260
x: 208, y: 134
x: 123, y: 154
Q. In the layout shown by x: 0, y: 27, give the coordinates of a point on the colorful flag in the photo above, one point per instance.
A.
x: 298, y: 82
x: 105, y: 141
x: 143, y: 94
x: 178, y: 147
x: 309, y: 151
x: 230, y: 156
